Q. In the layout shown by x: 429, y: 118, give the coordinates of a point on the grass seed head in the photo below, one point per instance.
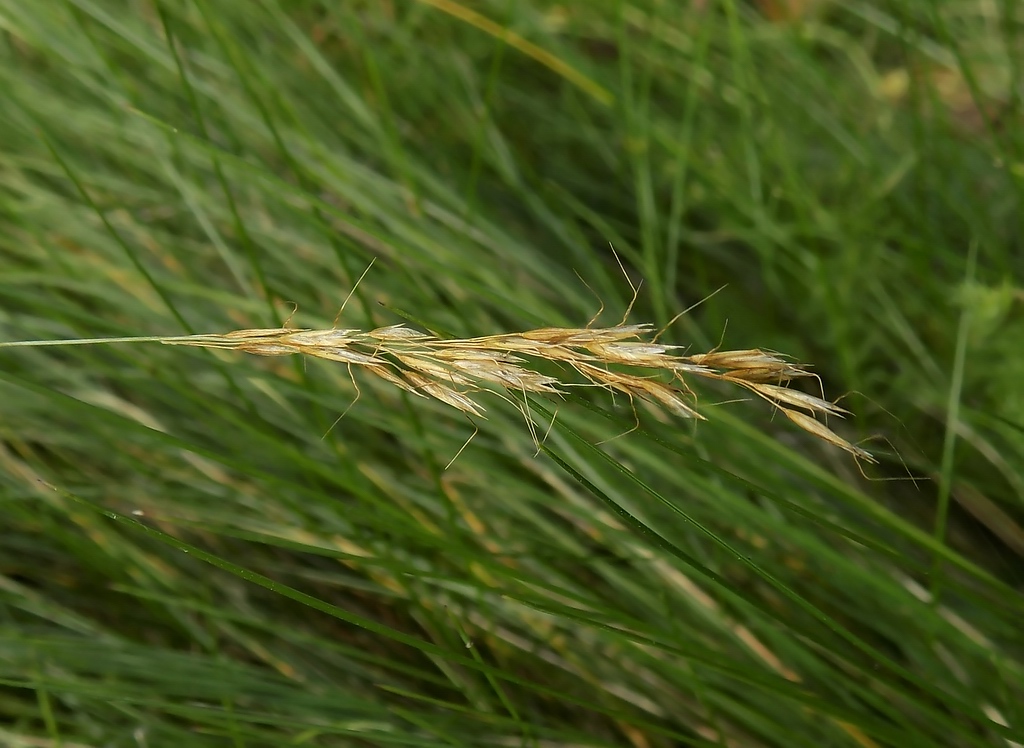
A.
x: 618, y: 359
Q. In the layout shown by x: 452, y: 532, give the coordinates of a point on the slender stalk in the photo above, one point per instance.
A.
x: 82, y: 341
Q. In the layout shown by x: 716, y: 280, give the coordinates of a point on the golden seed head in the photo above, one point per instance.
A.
x: 450, y: 371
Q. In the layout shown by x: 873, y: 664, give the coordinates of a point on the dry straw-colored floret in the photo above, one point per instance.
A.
x: 621, y: 359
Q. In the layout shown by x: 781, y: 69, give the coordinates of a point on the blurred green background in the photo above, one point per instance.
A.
x: 187, y: 560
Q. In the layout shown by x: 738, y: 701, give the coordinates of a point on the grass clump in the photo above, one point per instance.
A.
x: 190, y: 553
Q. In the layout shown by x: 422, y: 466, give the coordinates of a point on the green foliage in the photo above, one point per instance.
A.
x: 193, y: 552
